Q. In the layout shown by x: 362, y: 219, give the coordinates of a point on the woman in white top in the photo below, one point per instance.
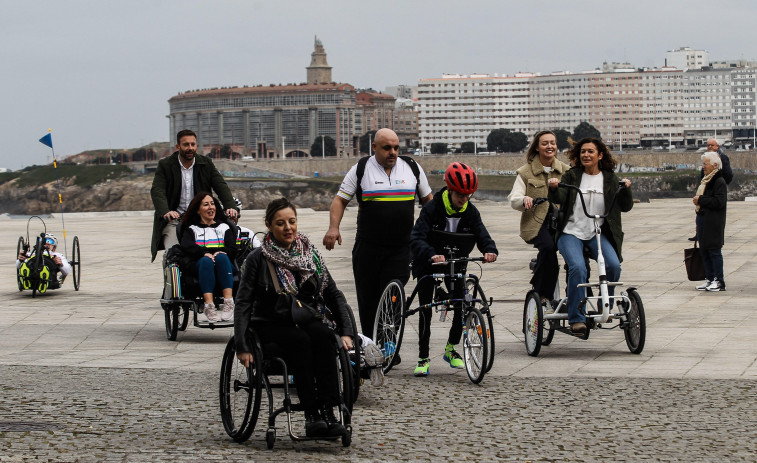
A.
x: 594, y: 175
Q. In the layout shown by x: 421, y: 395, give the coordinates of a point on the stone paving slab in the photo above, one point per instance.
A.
x: 96, y: 364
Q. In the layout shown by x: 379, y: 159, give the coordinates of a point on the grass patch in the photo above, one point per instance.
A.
x: 84, y: 176
x: 8, y: 176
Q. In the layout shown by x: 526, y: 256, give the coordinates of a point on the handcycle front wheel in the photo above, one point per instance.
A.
x: 475, y: 290
x: 240, y: 392
x: 37, y: 265
x: 533, y: 320
x: 475, y: 345
x: 76, y: 263
x: 389, y: 324
x: 176, y: 317
x: 635, y: 324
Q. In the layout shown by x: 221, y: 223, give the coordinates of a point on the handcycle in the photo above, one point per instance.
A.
x: 478, y: 333
x: 39, y: 272
x: 182, y: 296
x: 241, y: 391
x: 539, y: 326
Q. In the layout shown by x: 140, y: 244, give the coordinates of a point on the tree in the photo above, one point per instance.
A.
x: 366, y: 140
x: 584, y: 130
x: 506, y: 140
x: 438, y: 148
x: 328, y: 143
x: 563, y: 139
x: 468, y: 147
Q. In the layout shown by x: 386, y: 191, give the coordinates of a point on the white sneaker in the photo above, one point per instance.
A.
x: 374, y: 360
x: 227, y: 309
x: 715, y: 285
x: 211, y: 313
x: 703, y: 286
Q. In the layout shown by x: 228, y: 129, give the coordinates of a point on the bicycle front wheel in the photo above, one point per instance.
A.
x: 475, y: 345
x: 474, y: 289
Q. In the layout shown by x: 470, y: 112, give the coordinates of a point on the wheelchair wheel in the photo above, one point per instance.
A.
x: 354, y: 361
x: 390, y: 322
x: 240, y: 393
x: 475, y: 289
x: 635, y: 324
x: 533, y: 319
x: 19, y: 249
x: 346, y: 382
x: 475, y: 345
x: 76, y: 263
x: 172, y: 314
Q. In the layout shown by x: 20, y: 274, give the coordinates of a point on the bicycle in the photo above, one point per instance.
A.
x: 478, y: 335
x: 597, y: 309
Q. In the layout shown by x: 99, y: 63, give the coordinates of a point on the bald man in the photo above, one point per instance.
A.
x: 386, y: 193
x: 714, y: 147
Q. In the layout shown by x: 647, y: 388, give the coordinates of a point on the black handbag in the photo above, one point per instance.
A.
x: 289, y: 307
x: 692, y: 259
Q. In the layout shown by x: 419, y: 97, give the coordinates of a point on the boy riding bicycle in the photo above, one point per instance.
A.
x: 449, y: 211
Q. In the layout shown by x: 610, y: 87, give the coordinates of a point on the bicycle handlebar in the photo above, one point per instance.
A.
x: 621, y: 186
x: 458, y: 259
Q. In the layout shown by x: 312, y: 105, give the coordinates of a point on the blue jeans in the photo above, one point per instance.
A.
x: 571, y: 249
x: 209, y: 272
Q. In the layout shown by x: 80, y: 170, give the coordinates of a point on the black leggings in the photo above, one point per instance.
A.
x: 310, y: 355
x: 425, y: 293
x: 547, y: 267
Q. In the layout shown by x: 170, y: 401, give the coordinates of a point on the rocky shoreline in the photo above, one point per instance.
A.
x: 133, y: 194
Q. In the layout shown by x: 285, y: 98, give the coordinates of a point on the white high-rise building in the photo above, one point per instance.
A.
x: 687, y: 58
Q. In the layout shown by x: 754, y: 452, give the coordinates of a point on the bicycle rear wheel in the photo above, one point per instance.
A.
x: 475, y: 345
x: 389, y: 324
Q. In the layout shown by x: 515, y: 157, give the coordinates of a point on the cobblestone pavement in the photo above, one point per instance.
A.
x: 93, y: 414
x: 89, y: 376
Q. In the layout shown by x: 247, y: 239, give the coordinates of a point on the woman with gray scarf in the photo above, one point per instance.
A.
x: 710, y: 203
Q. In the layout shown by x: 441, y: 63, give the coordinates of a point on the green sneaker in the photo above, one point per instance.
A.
x: 452, y: 357
x: 422, y: 368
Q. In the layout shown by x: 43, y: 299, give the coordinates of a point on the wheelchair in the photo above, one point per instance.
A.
x: 241, y: 391
x: 478, y: 332
x: 39, y: 272
x: 182, y: 295
x: 541, y: 320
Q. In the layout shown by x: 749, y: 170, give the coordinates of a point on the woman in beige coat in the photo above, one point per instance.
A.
x: 531, y: 183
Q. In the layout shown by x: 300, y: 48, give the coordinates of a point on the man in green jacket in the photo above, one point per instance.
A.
x: 178, y: 178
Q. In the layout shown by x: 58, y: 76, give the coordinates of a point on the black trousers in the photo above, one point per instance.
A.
x: 310, y: 354
x: 373, y: 267
x: 425, y: 293
x: 547, y: 268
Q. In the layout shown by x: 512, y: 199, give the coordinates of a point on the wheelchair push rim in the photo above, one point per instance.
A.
x: 240, y: 391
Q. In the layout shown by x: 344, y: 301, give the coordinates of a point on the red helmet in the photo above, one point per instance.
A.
x: 461, y: 178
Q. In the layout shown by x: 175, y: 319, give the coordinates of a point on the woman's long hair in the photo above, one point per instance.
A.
x: 606, y: 163
x: 192, y: 216
x: 533, y: 150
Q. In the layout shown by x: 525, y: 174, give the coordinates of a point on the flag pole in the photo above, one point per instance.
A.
x: 48, y: 140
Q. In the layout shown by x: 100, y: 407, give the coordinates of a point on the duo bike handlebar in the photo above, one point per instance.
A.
x: 621, y: 186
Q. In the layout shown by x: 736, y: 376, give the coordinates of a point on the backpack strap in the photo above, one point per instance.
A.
x: 359, y: 172
x: 416, y: 171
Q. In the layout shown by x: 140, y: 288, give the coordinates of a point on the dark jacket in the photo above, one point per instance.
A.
x: 434, y: 217
x: 712, y: 208
x: 256, y: 298
x: 613, y: 226
x: 166, y: 190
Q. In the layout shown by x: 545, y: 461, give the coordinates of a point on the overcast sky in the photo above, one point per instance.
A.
x: 99, y: 73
